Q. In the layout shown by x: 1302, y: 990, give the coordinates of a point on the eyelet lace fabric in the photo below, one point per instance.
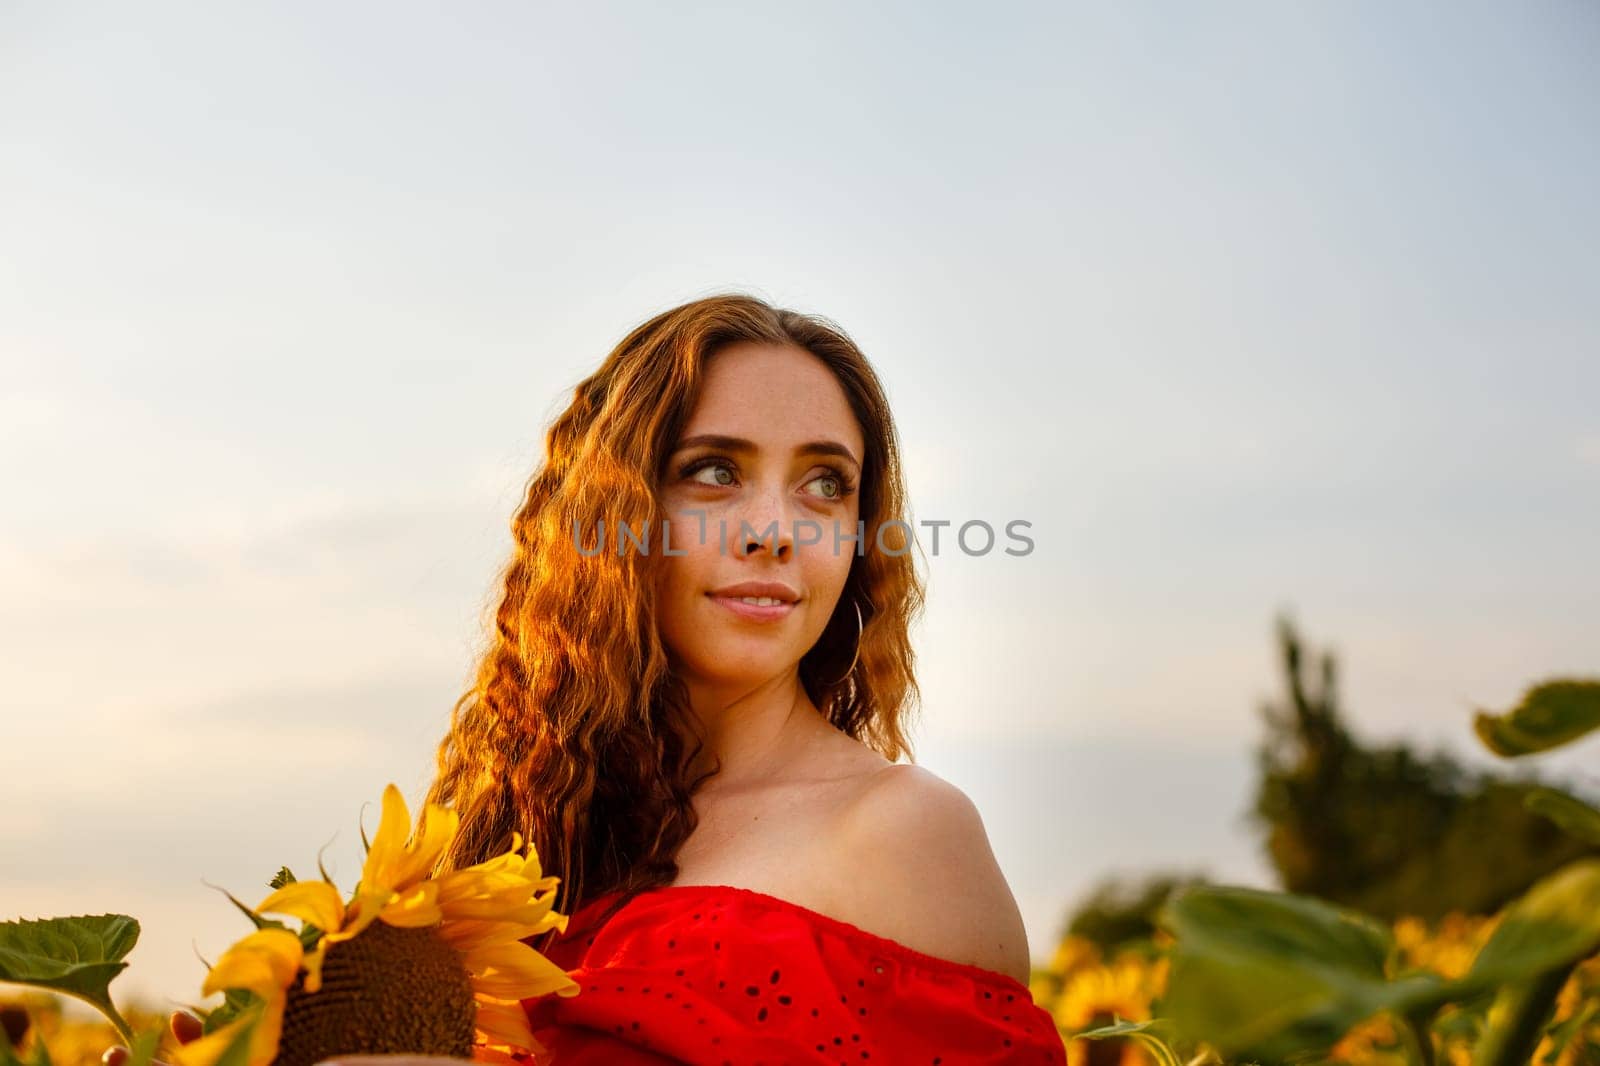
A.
x: 723, y: 975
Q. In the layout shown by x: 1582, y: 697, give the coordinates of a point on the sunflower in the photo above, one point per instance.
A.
x: 1123, y: 988
x: 1098, y: 994
x: 1447, y: 949
x: 1366, y: 1041
x: 412, y: 963
x: 1072, y: 954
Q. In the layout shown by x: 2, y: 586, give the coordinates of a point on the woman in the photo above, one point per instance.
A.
x: 693, y: 705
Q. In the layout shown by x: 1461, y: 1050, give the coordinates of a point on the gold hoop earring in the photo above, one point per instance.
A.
x: 860, y: 626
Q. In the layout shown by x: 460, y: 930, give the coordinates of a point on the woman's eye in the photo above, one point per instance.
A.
x: 720, y: 474
x: 829, y: 486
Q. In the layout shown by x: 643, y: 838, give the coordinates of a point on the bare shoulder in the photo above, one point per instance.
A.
x: 921, y: 871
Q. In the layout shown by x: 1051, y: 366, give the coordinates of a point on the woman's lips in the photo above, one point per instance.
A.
x: 754, y: 611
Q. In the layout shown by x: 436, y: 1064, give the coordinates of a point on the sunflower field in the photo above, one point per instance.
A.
x: 35, y: 1021
x: 1088, y: 988
x: 1242, y: 975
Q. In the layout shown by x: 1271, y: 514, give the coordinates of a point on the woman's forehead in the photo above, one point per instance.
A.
x: 778, y: 398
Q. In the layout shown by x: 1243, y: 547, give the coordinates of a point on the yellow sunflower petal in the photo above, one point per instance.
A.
x: 264, y: 1042
x: 468, y: 936
x: 388, y: 843
x: 532, y: 871
x: 423, y: 851
x: 482, y: 895
x: 415, y: 908
x: 503, y: 1021
x: 498, y: 873
x: 316, y: 902
x: 470, y: 883
x: 527, y: 864
x: 263, y: 962
x: 512, y: 906
x: 312, y: 964
x: 515, y: 971
x: 363, y: 911
x: 480, y: 909
x: 434, y: 836
x: 502, y: 870
x: 471, y: 901
x: 399, y: 859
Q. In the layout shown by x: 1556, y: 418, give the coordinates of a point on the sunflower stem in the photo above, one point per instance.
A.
x: 1517, y: 1019
x: 1419, y: 1041
x: 112, y: 1015
x: 120, y: 1023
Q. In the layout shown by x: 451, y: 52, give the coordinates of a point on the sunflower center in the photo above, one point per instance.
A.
x: 386, y: 991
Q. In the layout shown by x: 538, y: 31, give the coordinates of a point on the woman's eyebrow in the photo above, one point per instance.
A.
x: 740, y: 445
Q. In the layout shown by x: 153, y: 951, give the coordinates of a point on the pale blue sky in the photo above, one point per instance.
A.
x: 1246, y: 307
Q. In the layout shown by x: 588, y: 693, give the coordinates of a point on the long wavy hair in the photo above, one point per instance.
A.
x: 575, y: 733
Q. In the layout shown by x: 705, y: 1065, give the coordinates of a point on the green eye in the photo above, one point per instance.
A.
x: 837, y: 485
x: 833, y: 488
x: 720, y: 472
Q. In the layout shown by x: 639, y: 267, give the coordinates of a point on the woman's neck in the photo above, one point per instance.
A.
x: 752, y: 731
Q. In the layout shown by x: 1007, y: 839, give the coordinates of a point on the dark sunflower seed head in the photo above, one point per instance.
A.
x: 386, y: 991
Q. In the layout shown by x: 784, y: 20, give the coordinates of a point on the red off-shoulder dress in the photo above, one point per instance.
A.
x: 717, y: 974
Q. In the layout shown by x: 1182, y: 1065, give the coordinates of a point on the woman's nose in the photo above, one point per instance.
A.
x: 766, y: 523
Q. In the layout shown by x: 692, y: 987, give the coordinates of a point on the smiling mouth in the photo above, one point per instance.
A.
x: 756, y: 608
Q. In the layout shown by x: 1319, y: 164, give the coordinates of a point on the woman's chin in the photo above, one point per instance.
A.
x: 740, y: 668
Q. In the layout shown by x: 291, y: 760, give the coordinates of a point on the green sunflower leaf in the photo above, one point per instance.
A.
x: 309, y: 935
x: 1554, y: 924
x: 1550, y: 714
x: 257, y: 920
x: 1277, y: 976
x: 235, y: 1001
x: 1570, y: 813
x: 237, y: 1053
x: 281, y: 878
x: 1153, y: 1035
x: 1462, y: 1023
x: 78, y: 956
x: 1566, y: 1032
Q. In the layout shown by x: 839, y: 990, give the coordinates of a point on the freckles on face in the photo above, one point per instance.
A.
x: 761, y: 489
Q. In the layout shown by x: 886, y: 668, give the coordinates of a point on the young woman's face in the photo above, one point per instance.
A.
x: 767, y: 468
